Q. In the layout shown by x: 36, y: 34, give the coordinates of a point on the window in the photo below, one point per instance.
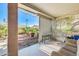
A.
x: 28, y: 28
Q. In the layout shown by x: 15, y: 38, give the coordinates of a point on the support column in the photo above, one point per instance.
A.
x: 12, y: 29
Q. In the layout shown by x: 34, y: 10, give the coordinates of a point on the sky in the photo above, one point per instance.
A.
x: 3, y: 12
x: 24, y: 17
x: 27, y: 18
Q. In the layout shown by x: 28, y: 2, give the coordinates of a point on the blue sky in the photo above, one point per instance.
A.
x: 28, y: 18
x: 3, y: 12
x: 23, y: 18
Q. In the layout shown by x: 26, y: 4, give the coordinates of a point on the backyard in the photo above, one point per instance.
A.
x: 26, y: 36
x: 28, y: 28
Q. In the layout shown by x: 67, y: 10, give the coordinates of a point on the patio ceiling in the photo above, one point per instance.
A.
x: 33, y: 9
x: 57, y: 9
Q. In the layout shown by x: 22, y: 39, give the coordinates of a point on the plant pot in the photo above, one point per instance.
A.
x: 32, y: 34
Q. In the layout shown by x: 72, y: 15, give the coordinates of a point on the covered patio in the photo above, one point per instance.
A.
x: 53, y: 36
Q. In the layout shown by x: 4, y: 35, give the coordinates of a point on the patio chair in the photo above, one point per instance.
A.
x: 67, y: 50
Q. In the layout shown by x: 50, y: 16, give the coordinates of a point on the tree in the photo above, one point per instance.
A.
x: 34, y: 30
x: 3, y: 31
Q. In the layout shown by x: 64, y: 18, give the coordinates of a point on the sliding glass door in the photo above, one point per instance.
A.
x: 28, y: 28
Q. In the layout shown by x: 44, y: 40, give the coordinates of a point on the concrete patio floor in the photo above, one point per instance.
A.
x: 31, y: 51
